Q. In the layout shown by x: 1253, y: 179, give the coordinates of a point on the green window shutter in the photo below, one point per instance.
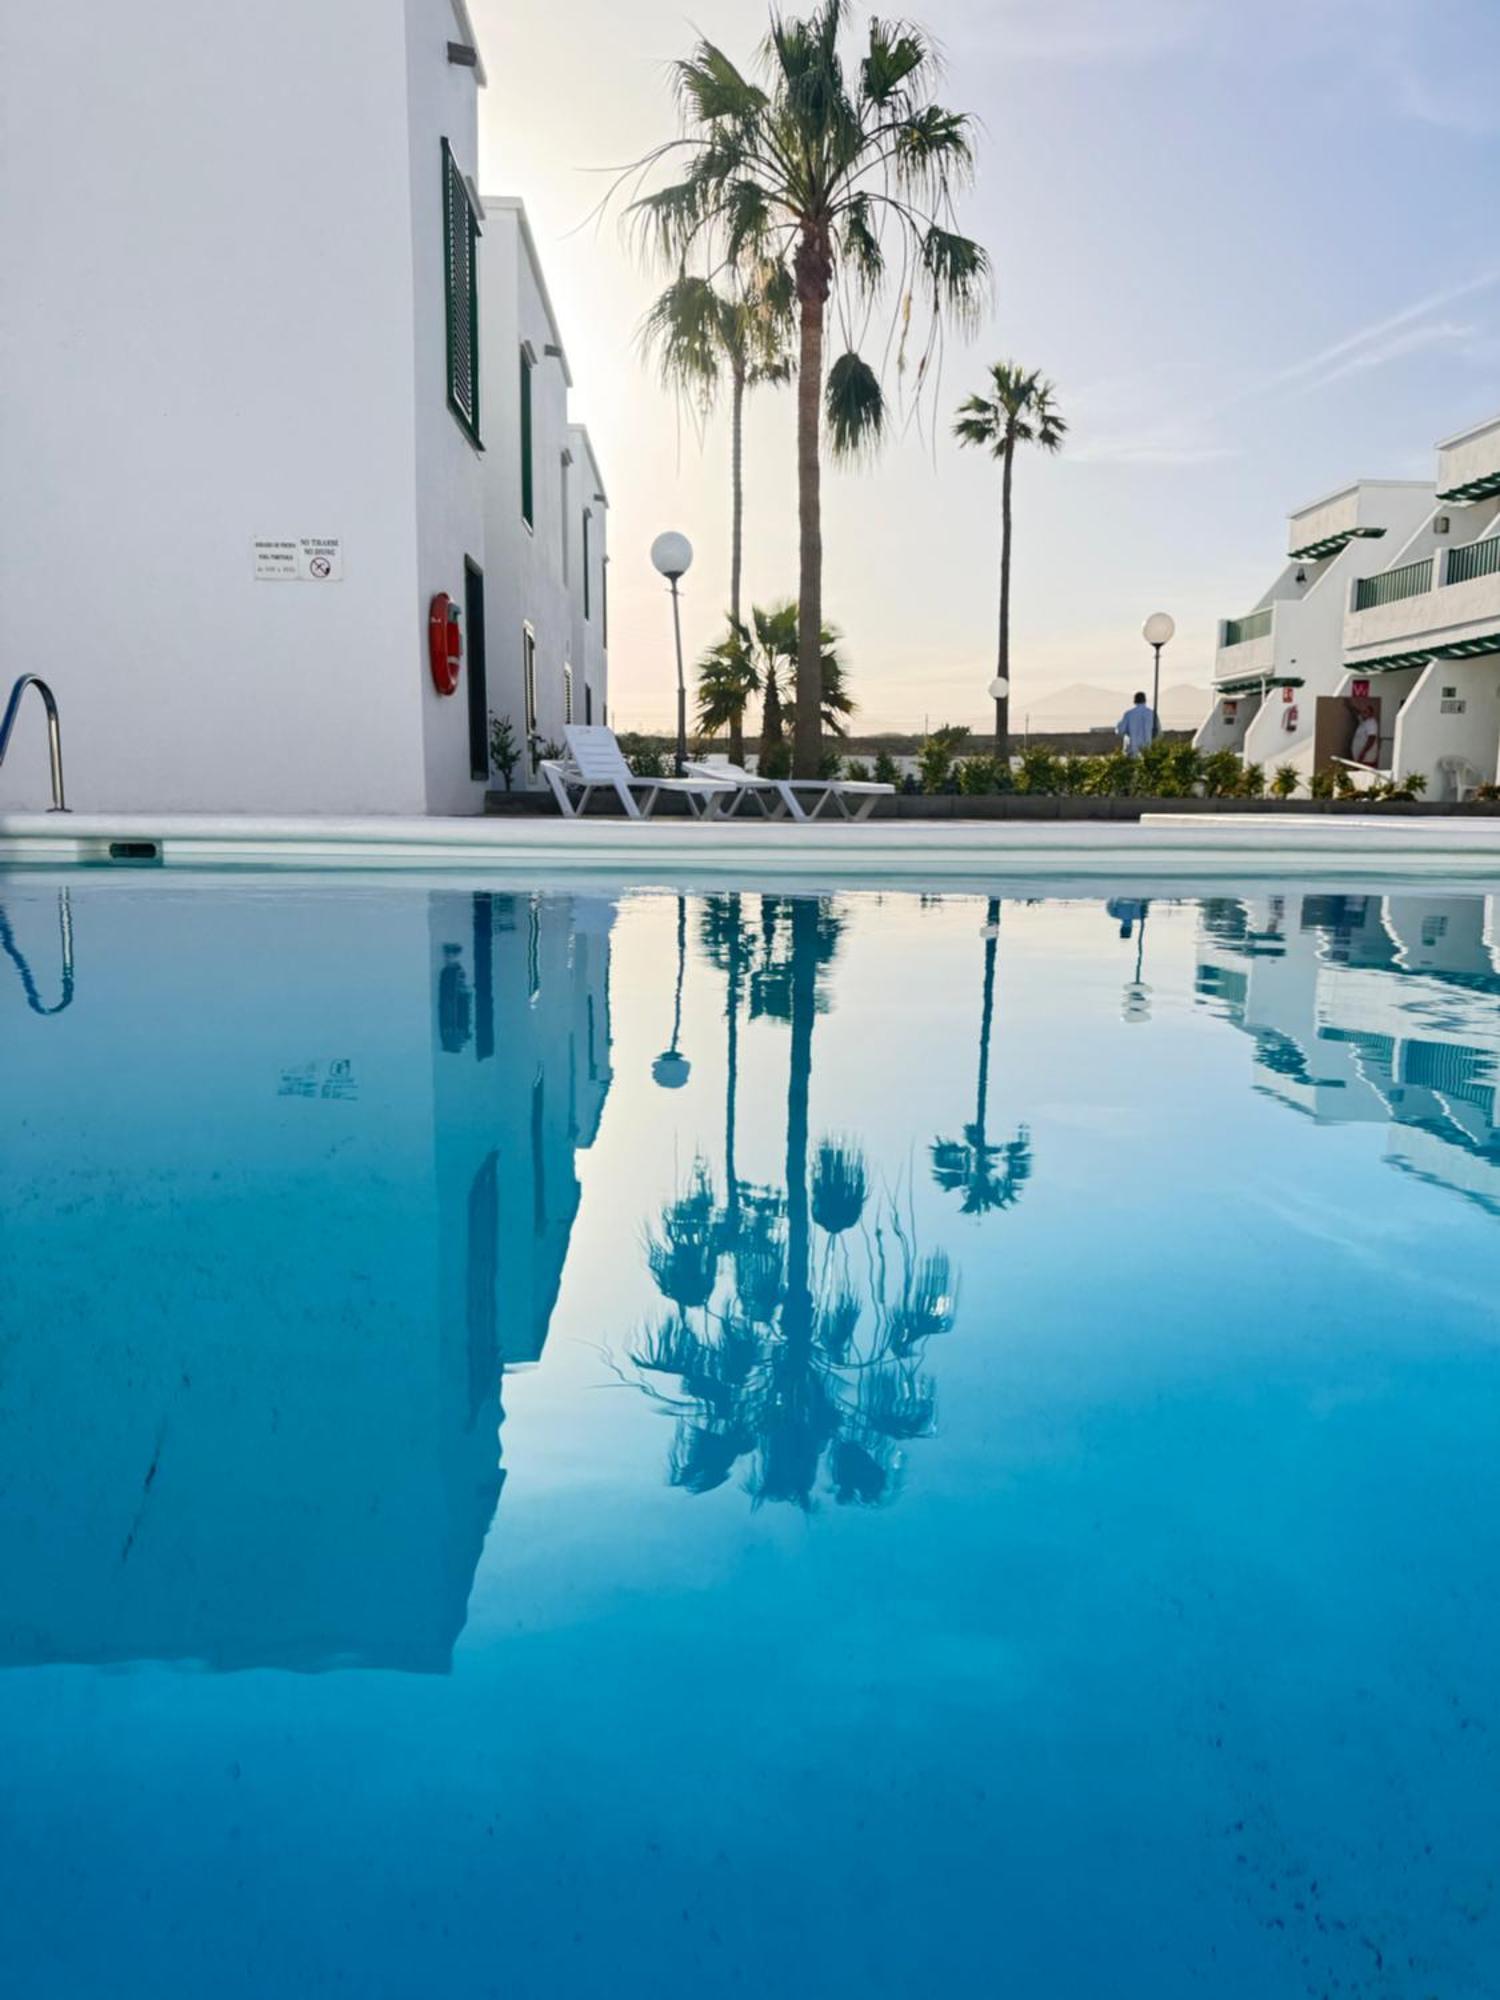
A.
x: 528, y: 494
x: 461, y: 282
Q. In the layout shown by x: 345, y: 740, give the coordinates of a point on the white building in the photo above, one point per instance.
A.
x: 1274, y: 663
x: 356, y: 1215
x: 1375, y: 1010
x: 1422, y: 634
x: 544, y: 506
x: 249, y: 407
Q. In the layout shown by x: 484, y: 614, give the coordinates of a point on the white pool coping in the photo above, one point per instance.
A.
x: 1167, y: 845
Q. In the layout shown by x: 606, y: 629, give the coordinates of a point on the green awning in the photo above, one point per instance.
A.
x: 1331, y: 544
x: 1456, y: 649
x: 1474, y: 489
x: 1253, y: 683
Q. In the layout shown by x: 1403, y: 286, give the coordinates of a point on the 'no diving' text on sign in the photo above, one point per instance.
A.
x: 301, y: 559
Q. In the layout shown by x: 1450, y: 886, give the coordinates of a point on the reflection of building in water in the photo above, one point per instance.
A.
x: 1380, y: 1008
x: 265, y: 1247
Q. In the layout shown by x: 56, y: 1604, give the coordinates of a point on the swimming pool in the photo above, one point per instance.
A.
x: 592, y: 1442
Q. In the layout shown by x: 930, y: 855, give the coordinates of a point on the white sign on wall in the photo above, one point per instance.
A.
x: 299, y: 558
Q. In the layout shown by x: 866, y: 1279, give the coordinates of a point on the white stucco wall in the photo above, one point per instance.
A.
x: 1425, y: 735
x: 525, y: 582
x: 449, y: 493
x: 216, y: 338
x: 589, y: 650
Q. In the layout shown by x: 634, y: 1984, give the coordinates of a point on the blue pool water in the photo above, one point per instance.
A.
x: 572, y: 1444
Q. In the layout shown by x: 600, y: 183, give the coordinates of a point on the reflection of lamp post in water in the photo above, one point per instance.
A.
x: 1136, y: 1004
x: 671, y: 1068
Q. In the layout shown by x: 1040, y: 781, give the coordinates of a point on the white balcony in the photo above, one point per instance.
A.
x: 1446, y: 605
x: 1369, y: 508
x: 1469, y: 464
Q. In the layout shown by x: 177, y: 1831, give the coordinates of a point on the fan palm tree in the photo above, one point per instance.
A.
x: 837, y: 170
x: 700, y: 332
x: 762, y: 658
x: 1019, y: 408
x: 987, y: 1176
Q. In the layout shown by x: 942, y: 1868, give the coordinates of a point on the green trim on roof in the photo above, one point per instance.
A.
x: 1455, y: 649
x: 1471, y: 649
x: 1253, y: 683
x: 1331, y: 544
x: 1474, y: 489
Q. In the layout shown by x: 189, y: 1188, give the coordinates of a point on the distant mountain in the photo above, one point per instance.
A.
x: 1085, y: 706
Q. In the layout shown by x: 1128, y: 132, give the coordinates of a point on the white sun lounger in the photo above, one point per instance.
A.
x: 596, y: 763
x: 797, y: 798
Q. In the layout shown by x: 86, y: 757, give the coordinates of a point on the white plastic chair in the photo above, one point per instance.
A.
x: 789, y: 793
x: 596, y: 763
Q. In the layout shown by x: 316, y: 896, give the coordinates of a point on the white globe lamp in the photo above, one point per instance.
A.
x: 1156, y: 631
x: 672, y: 555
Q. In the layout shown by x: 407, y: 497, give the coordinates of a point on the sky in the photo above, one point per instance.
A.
x: 1250, y: 243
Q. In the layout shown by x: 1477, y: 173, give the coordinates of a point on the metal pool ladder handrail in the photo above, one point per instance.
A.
x: 54, y: 732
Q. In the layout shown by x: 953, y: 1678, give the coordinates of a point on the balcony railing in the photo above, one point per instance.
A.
x: 1256, y: 626
x: 1388, y: 586
x: 1474, y: 559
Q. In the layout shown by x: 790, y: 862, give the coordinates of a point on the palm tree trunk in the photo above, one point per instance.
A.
x: 987, y: 1017
x: 1002, y: 662
x: 813, y: 277
x: 732, y: 1083
x: 736, y: 536
x: 797, y: 1314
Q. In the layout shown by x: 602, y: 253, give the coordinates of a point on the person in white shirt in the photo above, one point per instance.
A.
x: 1137, y: 726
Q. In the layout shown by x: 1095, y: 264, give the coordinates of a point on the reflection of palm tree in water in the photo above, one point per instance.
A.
x: 987, y: 1176
x: 766, y: 1339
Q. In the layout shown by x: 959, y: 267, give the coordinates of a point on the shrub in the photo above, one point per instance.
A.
x: 1344, y: 786
x: 935, y: 756
x: 978, y: 776
x: 1488, y: 793
x: 645, y: 756
x: 775, y: 761
x: 505, y: 751
x: 857, y: 771
x: 1110, y: 776
x: 1252, y: 783
x: 1038, y: 771
x: 887, y: 770
x: 830, y: 764
x: 1221, y: 774
x: 1284, y: 784
x: 1320, y: 785
x: 1075, y: 774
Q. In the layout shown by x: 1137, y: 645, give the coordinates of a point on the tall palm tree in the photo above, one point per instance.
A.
x: 987, y: 1176
x: 837, y: 169
x: 701, y: 331
x: 1018, y: 409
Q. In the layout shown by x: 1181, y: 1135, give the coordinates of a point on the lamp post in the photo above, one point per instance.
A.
x: 1156, y: 631
x: 672, y: 555
x: 1000, y: 696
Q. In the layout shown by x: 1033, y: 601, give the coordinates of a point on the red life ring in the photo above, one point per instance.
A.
x: 445, y: 645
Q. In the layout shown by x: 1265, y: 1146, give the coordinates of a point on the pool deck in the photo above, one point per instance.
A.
x: 1160, y: 848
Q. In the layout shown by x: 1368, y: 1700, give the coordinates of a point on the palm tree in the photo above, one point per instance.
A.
x: 699, y: 334
x: 1019, y: 409
x: 987, y: 1176
x: 833, y: 172
x: 762, y: 658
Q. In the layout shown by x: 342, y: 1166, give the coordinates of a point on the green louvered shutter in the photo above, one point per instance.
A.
x: 461, y: 275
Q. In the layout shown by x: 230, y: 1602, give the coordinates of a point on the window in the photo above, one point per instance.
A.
x: 567, y: 692
x: 587, y: 523
x: 479, y: 702
x: 528, y: 494
x: 604, y: 604
x: 528, y: 685
x: 563, y: 515
x: 461, y: 281
x: 588, y: 702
